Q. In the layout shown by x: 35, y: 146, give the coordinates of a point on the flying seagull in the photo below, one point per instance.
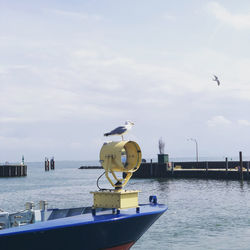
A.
x: 121, y: 130
x: 216, y: 80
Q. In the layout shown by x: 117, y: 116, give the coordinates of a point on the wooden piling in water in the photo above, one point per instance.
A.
x: 52, y: 163
x: 46, y: 164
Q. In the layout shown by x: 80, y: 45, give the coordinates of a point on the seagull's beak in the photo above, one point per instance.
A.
x: 129, y: 122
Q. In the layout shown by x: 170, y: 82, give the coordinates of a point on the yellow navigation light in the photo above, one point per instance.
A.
x: 121, y: 156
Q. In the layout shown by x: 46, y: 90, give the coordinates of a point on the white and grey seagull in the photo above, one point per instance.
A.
x: 216, y: 79
x: 121, y: 130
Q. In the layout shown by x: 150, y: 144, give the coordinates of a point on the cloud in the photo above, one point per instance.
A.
x: 84, y: 53
x: 127, y: 79
x: 2, y: 70
x: 218, y: 120
x: 94, y: 83
x: 169, y: 17
x: 76, y: 15
x: 244, y: 123
x: 66, y: 77
x: 9, y: 119
x: 238, y: 21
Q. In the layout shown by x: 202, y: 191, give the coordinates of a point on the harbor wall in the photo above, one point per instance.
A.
x: 206, y: 170
x: 209, y: 164
x: 13, y: 170
x: 91, y: 167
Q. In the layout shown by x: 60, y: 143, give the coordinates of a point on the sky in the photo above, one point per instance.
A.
x: 72, y: 70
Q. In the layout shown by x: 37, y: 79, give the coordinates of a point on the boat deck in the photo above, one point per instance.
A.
x: 61, y: 218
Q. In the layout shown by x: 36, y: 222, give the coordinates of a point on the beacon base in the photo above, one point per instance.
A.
x: 119, y: 199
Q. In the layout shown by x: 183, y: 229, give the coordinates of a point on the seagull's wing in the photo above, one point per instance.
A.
x: 215, y: 78
x: 119, y: 130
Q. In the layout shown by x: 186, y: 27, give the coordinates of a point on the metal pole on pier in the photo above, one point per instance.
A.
x: 151, y: 168
x: 172, y: 169
x: 226, y: 164
x: 248, y: 170
x: 196, y: 148
x: 241, y: 165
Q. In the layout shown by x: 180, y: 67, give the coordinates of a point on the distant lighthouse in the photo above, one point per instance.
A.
x: 22, y: 163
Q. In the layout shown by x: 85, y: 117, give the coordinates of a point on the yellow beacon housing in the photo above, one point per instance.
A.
x: 121, y: 156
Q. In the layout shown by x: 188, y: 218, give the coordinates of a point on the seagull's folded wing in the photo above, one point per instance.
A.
x: 120, y: 130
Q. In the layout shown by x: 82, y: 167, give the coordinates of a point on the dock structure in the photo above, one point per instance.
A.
x: 228, y: 170
x: 13, y: 170
x: 231, y: 170
x: 90, y: 167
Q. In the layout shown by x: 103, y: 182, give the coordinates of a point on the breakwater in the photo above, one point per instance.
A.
x: 13, y: 170
x: 233, y: 170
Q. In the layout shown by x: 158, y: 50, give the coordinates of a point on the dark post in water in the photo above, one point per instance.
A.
x: 52, y: 163
x: 46, y: 164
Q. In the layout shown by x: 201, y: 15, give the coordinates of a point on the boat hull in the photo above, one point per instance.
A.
x: 104, y: 231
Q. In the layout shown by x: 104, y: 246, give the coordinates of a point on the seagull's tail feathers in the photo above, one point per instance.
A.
x: 107, y: 134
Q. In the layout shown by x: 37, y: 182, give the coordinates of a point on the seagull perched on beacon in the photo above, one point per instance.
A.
x: 216, y: 79
x: 121, y: 130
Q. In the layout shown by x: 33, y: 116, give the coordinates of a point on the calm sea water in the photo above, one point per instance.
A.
x: 203, y: 214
